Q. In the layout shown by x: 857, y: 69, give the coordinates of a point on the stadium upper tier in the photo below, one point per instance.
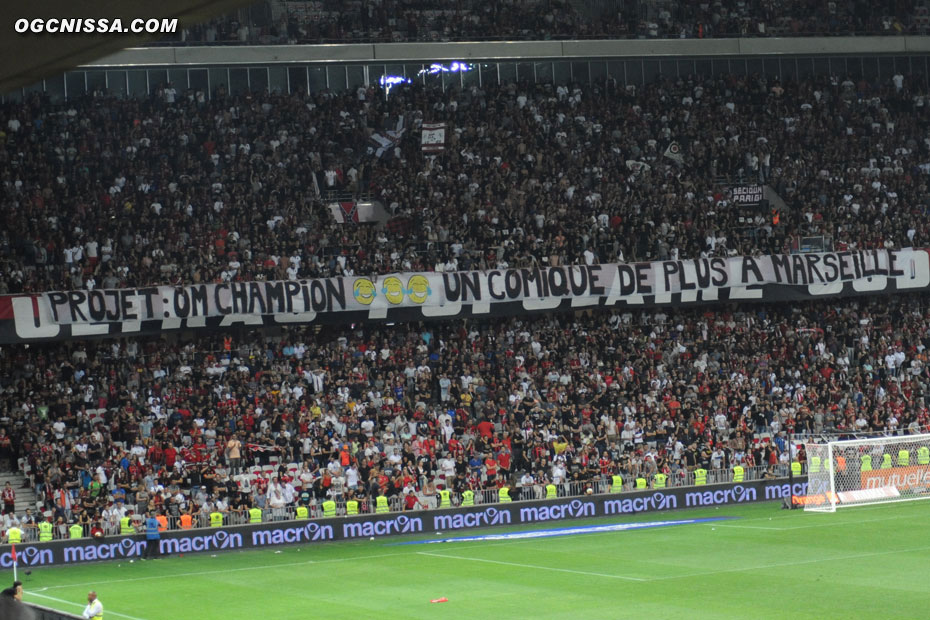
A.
x: 102, y: 192
x: 333, y: 21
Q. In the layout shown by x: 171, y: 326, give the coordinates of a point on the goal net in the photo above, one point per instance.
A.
x: 867, y: 471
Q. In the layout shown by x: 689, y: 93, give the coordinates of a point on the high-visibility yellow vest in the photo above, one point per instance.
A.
x: 796, y: 468
x: 813, y: 466
x: 904, y: 458
x: 503, y: 495
x: 738, y: 473
x: 255, y: 515
x: 45, y: 531
x: 14, y: 535
x: 329, y: 508
x: 381, y: 504
x: 445, y: 499
x: 700, y: 476
x: 216, y: 519
x: 125, y: 527
x: 616, y: 483
x: 468, y: 497
x: 923, y: 455
x: 865, y: 462
x: 659, y: 480
x: 302, y: 512
x: 641, y: 483
x: 886, y: 461
x: 551, y: 491
x: 75, y: 531
x: 352, y: 507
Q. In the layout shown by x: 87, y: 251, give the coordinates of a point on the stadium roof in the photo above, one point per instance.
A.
x: 31, y: 57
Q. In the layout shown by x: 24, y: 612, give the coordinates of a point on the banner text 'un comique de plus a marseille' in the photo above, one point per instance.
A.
x: 428, y: 295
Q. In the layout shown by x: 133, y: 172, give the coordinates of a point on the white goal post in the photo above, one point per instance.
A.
x: 860, y: 472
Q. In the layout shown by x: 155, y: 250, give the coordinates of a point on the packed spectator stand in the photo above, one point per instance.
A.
x: 200, y: 187
x: 331, y: 21
x: 405, y: 412
x: 184, y: 188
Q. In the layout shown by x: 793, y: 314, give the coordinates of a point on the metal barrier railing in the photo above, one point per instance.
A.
x: 597, y: 486
x: 40, y: 612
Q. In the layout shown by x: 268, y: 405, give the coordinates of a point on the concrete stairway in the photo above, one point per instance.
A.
x: 25, y: 498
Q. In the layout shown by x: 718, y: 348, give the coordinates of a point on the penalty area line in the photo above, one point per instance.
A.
x: 750, y: 527
x: 787, y: 564
x: 108, y: 612
x: 533, y: 566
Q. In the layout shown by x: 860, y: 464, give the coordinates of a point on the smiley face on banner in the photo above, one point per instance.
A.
x: 393, y: 289
x: 364, y: 291
x: 418, y: 289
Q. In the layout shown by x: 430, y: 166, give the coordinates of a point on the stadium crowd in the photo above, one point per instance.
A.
x: 110, y: 428
x: 104, y: 192
x: 188, y: 187
x: 470, y: 20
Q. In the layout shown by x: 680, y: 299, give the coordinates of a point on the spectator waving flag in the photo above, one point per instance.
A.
x: 389, y: 140
x: 673, y: 152
x: 350, y: 211
x: 433, y: 138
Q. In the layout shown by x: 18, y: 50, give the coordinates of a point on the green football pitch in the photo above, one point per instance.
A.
x: 761, y: 562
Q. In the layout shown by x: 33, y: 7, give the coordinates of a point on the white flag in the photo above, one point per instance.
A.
x: 433, y: 138
x: 673, y: 152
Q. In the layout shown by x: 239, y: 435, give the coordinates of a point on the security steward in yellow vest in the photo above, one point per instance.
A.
x: 75, y: 531
x: 352, y: 507
x: 886, y: 461
x: 813, y: 465
x: 738, y: 473
x: 658, y: 480
x: 796, y: 468
x: 445, y: 498
x: 94, y: 609
x: 45, y: 532
x: 329, y: 508
x: 904, y: 458
x: 700, y: 476
x: 303, y: 512
x: 923, y: 455
x: 216, y: 519
x: 14, y: 535
x: 503, y: 495
x: 381, y: 505
x: 865, y: 462
x: 616, y: 483
x: 255, y: 515
x: 641, y: 483
x: 125, y: 526
x: 468, y: 497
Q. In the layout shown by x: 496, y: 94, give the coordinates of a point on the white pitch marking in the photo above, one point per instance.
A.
x: 228, y: 570
x: 73, y: 604
x: 785, y: 564
x: 533, y: 566
x: 750, y: 527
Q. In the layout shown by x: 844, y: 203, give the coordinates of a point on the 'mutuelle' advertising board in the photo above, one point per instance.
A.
x: 259, y: 536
